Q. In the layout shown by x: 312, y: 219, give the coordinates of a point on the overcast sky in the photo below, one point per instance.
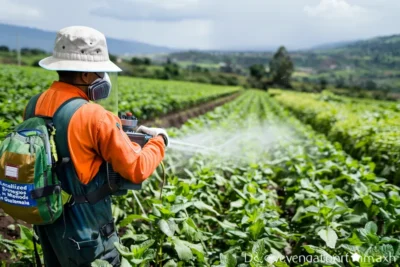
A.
x: 214, y: 24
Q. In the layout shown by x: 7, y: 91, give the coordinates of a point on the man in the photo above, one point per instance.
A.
x: 93, y: 136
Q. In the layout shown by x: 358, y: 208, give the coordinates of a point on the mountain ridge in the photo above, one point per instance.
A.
x: 36, y: 38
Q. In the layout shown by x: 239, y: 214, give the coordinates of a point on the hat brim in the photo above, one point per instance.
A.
x: 52, y: 63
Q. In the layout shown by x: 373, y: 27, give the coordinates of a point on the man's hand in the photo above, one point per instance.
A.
x: 154, y: 132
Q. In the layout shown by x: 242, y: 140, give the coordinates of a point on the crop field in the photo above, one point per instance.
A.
x: 260, y: 187
x: 365, y: 128
x: 146, y: 98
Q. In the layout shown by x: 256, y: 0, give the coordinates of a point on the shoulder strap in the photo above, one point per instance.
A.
x: 30, y: 108
x: 61, y: 119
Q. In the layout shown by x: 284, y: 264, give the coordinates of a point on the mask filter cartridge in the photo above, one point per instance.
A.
x: 100, y: 88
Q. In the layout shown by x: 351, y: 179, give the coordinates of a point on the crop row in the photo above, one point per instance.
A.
x: 365, y: 128
x: 146, y: 98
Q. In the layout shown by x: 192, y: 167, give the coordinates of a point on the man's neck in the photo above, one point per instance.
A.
x: 84, y: 88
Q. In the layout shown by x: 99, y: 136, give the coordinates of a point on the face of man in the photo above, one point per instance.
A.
x: 90, y: 77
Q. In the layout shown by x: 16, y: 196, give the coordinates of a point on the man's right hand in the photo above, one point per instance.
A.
x: 154, y: 132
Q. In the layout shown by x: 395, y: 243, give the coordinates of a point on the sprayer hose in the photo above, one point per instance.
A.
x: 164, y: 179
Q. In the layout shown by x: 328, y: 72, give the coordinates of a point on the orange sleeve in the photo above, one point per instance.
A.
x: 127, y: 158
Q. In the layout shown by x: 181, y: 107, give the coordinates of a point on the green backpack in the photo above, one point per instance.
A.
x: 29, y: 188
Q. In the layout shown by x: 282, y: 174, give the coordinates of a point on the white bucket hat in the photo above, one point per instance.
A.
x: 79, y: 48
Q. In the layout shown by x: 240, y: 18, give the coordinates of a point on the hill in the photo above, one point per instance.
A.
x: 35, y: 38
x: 372, y: 63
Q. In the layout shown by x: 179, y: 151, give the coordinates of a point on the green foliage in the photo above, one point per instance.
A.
x: 140, y: 61
x: 300, y: 195
x: 365, y: 129
x: 22, y: 249
x: 147, y: 99
x: 257, y: 71
x: 4, y: 48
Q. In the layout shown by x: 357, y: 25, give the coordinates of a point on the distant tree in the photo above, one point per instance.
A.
x: 257, y: 71
x: 4, y: 48
x: 323, y: 83
x: 281, y: 67
x: 258, y: 77
x: 370, y: 85
x: 136, y: 61
x: 36, y: 63
x: 32, y: 51
x: 340, y: 82
x: 171, y: 69
x: 113, y: 58
x: 146, y: 61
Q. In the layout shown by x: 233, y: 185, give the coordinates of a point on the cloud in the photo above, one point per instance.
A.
x: 153, y: 10
x: 214, y: 24
x: 335, y: 9
x: 14, y: 10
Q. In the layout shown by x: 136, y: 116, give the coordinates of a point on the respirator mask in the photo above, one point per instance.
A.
x: 100, y: 88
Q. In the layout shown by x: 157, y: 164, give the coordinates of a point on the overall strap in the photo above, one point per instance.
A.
x: 30, y: 108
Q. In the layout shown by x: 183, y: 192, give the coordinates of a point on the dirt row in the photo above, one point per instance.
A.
x: 177, y: 119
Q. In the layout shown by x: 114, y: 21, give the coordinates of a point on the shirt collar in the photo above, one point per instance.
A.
x: 71, y: 89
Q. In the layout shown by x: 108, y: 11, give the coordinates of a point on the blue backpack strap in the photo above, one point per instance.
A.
x: 30, y: 108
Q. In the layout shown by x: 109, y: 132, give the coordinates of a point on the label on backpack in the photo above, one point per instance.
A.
x: 11, y: 172
x: 17, y: 194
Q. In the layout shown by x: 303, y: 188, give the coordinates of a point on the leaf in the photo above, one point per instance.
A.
x: 100, y: 263
x: 25, y: 233
x: 227, y: 225
x: 227, y: 260
x: 165, y: 227
x: 135, y: 237
x: 387, y: 251
x: 131, y: 218
x: 139, y: 250
x: 354, y: 240
x: 240, y: 194
x: 178, y: 207
x: 256, y: 229
x: 258, y: 250
x: 367, y: 201
x: 124, y: 251
x: 192, y: 233
x: 183, y: 251
x: 354, y: 219
x: 329, y: 236
x: 203, y: 206
x: 333, y: 261
x: 238, y: 233
x: 237, y: 204
x: 371, y: 228
x: 170, y: 263
x: 125, y: 263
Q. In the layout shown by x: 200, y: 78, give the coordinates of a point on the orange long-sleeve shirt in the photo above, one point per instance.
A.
x: 94, y: 136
